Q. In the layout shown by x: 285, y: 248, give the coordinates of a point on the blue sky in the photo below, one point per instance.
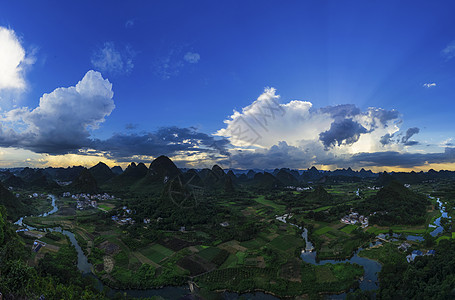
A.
x: 178, y: 70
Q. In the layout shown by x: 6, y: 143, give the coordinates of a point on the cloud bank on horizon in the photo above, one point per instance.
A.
x: 265, y: 134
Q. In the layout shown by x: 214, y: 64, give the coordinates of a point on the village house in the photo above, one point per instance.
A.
x: 85, y: 201
x: 431, y: 252
x: 298, y: 189
x: 37, y: 244
x: 354, y: 218
x: 123, y: 216
x: 411, y: 257
x: 404, y: 246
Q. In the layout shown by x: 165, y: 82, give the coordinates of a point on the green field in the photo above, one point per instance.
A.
x: 322, y: 208
x: 240, y: 257
x: 261, y: 200
x: 383, y: 253
x: 156, y: 253
x: 105, y: 207
x: 444, y: 237
x: 348, y: 228
x: 254, y: 244
x: 230, y: 262
x: 325, y: 274
x: 286, y: 242
x: 209, y: 253
x: 323, y: 230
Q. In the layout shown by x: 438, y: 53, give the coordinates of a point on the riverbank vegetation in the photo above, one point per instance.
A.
x: 56, y: 277
x: 428, y: 277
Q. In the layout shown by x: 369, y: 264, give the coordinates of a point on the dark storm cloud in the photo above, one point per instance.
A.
x: 409, y: 133
x: 283, y: 155
x: 386, y: 139
x: 344, y: 130
x: 341, y: 111
x: 345, y: 111
x: 166, y: 140
x: 277, y: 156
x: 411, y: 143
x: 384, y: 115
x: 407, y: 160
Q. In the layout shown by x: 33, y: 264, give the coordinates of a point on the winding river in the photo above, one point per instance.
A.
x: 368, y: 282
x: 371, y: 267
x: 169, y: 292
x: 437, y: 222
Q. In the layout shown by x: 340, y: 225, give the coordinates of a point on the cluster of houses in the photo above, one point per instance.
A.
x: 354, y: 218
x: 415, y: 253
x: 34, y: 195
x: 374, y: 188
x: 123, y: 216
x: 84, y: 196
x: 298, y: 189
x: 86, y: 201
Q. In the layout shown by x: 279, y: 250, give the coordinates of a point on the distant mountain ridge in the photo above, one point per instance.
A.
x: 152, y: 179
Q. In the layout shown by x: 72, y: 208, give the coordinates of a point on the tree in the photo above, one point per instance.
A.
x: 429, y: 241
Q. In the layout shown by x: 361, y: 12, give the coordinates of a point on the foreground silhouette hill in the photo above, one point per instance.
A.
x: 84, y: 183
x: 163, y: 167
x: 101, y: 172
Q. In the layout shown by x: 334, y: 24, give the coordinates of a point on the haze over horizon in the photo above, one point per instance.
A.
x: 297, y: 84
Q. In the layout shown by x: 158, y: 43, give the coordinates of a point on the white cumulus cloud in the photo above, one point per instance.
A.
x: 63, y: 120
x: 268, y: 130
x: 266, y: 121
x: 13, y: 60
